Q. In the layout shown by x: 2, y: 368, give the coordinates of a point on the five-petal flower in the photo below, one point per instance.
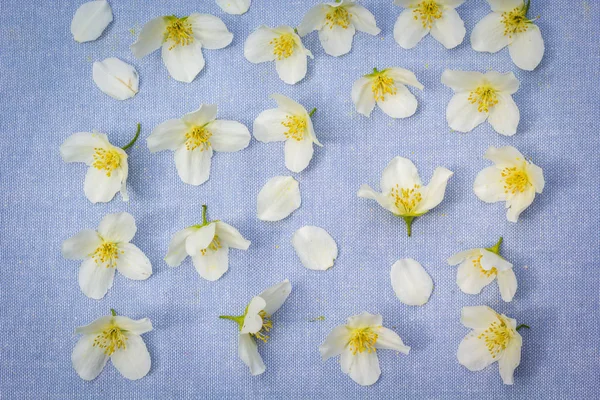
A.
x: 193, y: 139
x: 182, y: 40
x: 337, y: 22
x: 513, y: 179
x: 357, y: 342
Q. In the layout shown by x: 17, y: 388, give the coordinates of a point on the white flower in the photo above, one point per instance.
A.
x: 482, y: 96
x: 90, y: 20
x: 508, y: 25
x: 116, y: 78
x: 337, y: 22
x: 357, y: 343
x: 114, y: 337
x: 278, y: 198
x: 315, y: 247
x: 256, y: 323
x: 236, y: 7
x: 182, y: 40
x: 513, y: 179
x: 421, y: 17
x: 208, y: 244
x: 403, y: 193
x: 289, y: 122
x: 281, y: 45
x: 479, y: 267
x: 105, y: 250
x: 494, y: 338
x: 411, y: 283
x: 108, y: 164
x: 387, y: 89
x: 193, y: 139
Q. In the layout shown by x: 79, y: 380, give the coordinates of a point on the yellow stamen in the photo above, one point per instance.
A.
x: 214, y: 245
x: 427, y: 11
x: 106, y: 159
x: 515, y: 180
x: 266, y: 327
x: 338, y: 16
x: 382, y: 85
x: 111, y: 340
x: 515, y: 21
x: 107, y: 252
x: 198, y: 137
x: 488, y: 273
x: 406, y: 200
x: 362, y: 339
x: 485, y: 96
x: 283, y: 46
x: 497, y: 336
x: 296, y: 127
x: 179, y: 32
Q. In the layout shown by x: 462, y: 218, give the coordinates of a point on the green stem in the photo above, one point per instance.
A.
x: 408, y: 221
x: 135, y: 138
x: 204, y: 220
x: 496, y: 248
x: 375, y: 70
x: 523, y: 326
x: 311, y: 113
x: 113, y: 312
x: 239, y: 319
x: 527, y: 6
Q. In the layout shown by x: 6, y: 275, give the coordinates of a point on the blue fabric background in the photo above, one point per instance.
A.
x: 47, y: 93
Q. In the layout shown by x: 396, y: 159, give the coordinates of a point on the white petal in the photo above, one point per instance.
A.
x: 404, y: 76
x: 510, y: 359
x: 504, y: 5
x: 298, y: 153
x: 248, y: 353
x: 292, y: 70
x: 81, y: 146
x: 450, y: 29
x: 364, y: 319
x: 213, y: 264
x: 488, y: 34
x: 463, y: 255
x: 384, y: 201
x: 313, y: 20
x: 230, y: 236
x: 402, y: 172
x: 517, y: 203
x: 90, y: 20
x: 503, y: 157
x: 135, y: 326
x: 362, y: 96
x: 461, y: 81
x: 170, y: 135
x: 99, y: 188
x: 289, y: 105
x: 210, y: 31
x: 81, y: 245
x: 177, y: 253
x: 478, y: 317
x: 388, y: 339
x: 95, y: 279
x: 536, y: 177
x: 462, y: 115
x: 133, y: 263
x: 200, y: 239
x: 119, y: 227
x: 278, y: 198
x: 337, y: 40
x: 116, y: 78
x: 365, y: 368
x: 133, y: 362
x: 236, y: 7
x: 491, y: 260
x: 257, y: 48
x: 183, y: 62
x: 362, y: 19
x: 228, y: 136
x: 473, y: 353
x: 411, y: 283
x: 506, y: 83
x: 88, y: 360
x: 489, y: 186
x: 253, y: 321
x: 193, y: 166
x: 151, y: 37
x: 275, y: 296
x: 504, y: 116
x: 470, y: 279
x: 403, y: 104
x: 507, y: 284
x: 335, y: 342
x: 408, y: 32
x: 203, y: 115
x: 527, y: 50
x: 315, y: 248
x: 434, y: 192
x: 268, y: 126
x: 95, y: 327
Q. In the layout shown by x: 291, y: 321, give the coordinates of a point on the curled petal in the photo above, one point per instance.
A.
x: 203, y: 115
x: 275, y: 296
x: 388, y: 339
x: 210, y: 31
x: 116, y: 78
x: 510, y: 359
x: 253, y: 321
x: 315, y: 247
x: 434, y: 192
x: 470, y: 279
x: 151, y: 37
x: 81, y: 146
x: 536, y: 177
x: 230, y: 236
x: 411, y: 283
x: 177, y: 252
x: 135, y: 326
x: 518, y: 203
x: 385, y: 201
x: 507, y: 284
x: 90, y: 20
x: 200, y: 239
x: 313, y: 20
x: 248, y: 353
x: 278, y: 198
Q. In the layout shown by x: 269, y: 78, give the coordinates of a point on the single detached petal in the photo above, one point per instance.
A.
x: 388, y: 339
x: 462, y: 115
x: 473, y: 352
x: 95, y: 279
x: 212, y: 265
x: 471, y: 279
x: 527, y: 50
x: 257, y: 48
x: 517, y: 203
x: 81, y: 146
x: 248, y: 353
x: 292, y: 69
x: 449, y: 30
x: 364, y: 369
x: 230, y: 236
x: 315, y: 247
x: 408, y: 31
x: 80, y: 246
x: 337, y: 40
x: 203, y: 115
x: 362, y: 19
x: 88, y: 360
x: 119, y: 227
x: 510, y: 359
x: 268, y: 126
x: 275, y: 296
x: 170, y: 135
x: 100, y: 188
x: 210, y: 31
x: 278, y: 198
x: 411, y: 283
x: 402, y: 104
x: 434, y: 192
x: 362, y: 96
x: 193, y: 166
x: 488, y: 185
x: 504, y: 116
x: 313, y: 20
x: 253, y: 321
x: 298, y: 153
x: 200, y: 239
x: 116, y: 78
x: 177, y: 252
x: 133, y: 263
x: 477, y: 317
x: 335, y: 342
x: 151, y: 37
x: 507, y: 284
x: 135, y: 326
x: 183, y: 62
x: 133, y: 361
x: 236, y: 7
x: 90, y: 20
x: 228, y: 136
x: 488, y: 35
x: 400, y: 171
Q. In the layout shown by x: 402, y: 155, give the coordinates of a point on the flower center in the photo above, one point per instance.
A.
x: 488, y: 273
x: 214, y: 245
x: 111, y: 340
x: 107, y: 253
x: 338, y: 16
x: 107, y: 160
x: 266, y: 327
x: 485, y: 96
x: 427, y: 11
x: 296, y: 127
x: 283, y: 46
x: 515, y: 21
x: 362, y: 339
x: 406, y: 199
x: 382, y: 85
x: 515, y: 180
x: 496, y: 337
x: 179, y: 32
x: 198, y: 137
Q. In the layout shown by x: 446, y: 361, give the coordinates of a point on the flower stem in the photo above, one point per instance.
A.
x: 408, y: 221
x: 496, y: 248
x: 239, y: 319
x: 113, y: 312
x: 135, y: 138
x: 204, y: 220
x: 527, y: 6
x: 375, y: 70
x: 523, y: 326
x: 311, y: 113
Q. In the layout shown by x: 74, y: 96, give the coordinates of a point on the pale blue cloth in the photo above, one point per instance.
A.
x: 47, y: 94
